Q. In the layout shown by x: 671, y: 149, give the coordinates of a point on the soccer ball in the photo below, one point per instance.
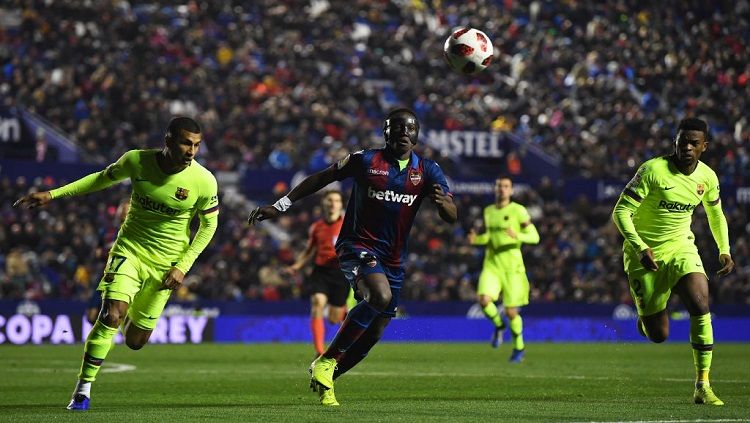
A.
x: 468, y: 51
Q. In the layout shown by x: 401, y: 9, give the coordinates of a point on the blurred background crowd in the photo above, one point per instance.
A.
x: 59, y: 252
x: 297, y: 84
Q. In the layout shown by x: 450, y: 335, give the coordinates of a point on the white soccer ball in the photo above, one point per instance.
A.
x: 468, y: 51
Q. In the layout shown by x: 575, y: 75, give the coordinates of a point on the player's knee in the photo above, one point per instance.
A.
x: 658, y: 336
x: 134, y: 344
x: 111, y: 317
x: 484, y: 301
x: 380, y: 299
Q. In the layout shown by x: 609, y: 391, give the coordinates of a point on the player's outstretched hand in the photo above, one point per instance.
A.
x: 173, y: 279
x: 472, y: 236
x: 262, y: 213
x: 648, y: 261
x: 437, y: 195
x: 33, y: 200
x: 727, y: 264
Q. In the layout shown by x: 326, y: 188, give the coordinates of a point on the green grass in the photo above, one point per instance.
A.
x: 397, y: 382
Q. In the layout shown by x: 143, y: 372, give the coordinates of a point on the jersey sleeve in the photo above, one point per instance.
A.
x: 638, y: 187
x: 208, y: 214
x: 115, y: 172
x: 208, y: 202
x: 435, y: 176
x: 712, y: 196
x: 349, y: 166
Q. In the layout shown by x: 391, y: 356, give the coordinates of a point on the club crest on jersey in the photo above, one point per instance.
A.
x: 415, y: 177
x: 700, y: 189
x: 181, y: 194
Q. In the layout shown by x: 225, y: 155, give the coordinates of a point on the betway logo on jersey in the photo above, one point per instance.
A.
x: 391, y: 196
x: 675, y: 206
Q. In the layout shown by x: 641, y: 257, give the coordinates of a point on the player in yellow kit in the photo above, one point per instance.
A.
x: 507, y: 226
x: 654, y: 213
x: 153, y: 251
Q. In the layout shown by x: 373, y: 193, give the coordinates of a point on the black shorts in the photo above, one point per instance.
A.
x: 331, y: 282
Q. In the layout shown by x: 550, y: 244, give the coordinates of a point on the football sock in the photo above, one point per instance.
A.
x: 318, y: 328
x: 702, y: 340
x: 83, y: 388
x: 98, y: 344
x: 490, y: 310
x: 357, y: 321
x: 357, y: 352
x: 516, y: 329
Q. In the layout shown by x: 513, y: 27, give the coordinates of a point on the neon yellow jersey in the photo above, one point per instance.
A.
x: 666, y: 198
x: 502, y: 250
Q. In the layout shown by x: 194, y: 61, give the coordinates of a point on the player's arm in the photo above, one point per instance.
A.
x: 475, y: 238
x: 440, y: 195
x: 305, y: 256
x: 208, y: 214
x: 622, y: 215
x: 623, y: 218
x: 719, y: 229
x: 528, y: 233
x: 344, y: 168
x: 111, y: 175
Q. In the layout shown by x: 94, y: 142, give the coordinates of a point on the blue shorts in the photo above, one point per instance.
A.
x: 356, y: 263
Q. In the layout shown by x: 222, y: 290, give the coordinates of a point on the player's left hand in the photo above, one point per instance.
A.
x: 173, y: 279
x: 511, y: 233
x: 727, y: 264
x: 437, y: 195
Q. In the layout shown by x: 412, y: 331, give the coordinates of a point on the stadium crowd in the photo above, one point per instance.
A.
x: 295, y: 84
x: 59, y: 252
x: 291, y: 83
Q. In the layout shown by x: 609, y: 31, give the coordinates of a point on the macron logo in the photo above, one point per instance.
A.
x: 382, y: 172
x: 389, y: 195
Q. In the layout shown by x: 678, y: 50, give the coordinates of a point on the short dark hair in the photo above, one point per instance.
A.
x: 504, y: 176
x: 182, y: 122
x: 693, y: 124
x: 398, y: 111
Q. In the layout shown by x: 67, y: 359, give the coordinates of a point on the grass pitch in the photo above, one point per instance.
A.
x: 396, y: 383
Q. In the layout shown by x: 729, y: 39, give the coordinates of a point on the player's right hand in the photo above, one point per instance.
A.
x: 727, y: 264
x: 262, y: 213
x: 472, y: 236
x: 34, y: 200
x: 648, y: 261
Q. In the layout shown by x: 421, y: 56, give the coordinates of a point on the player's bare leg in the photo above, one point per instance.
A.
x: 655, y: 326
x: 693, y: 291
x: 135, y: 337
x: 318, y: 303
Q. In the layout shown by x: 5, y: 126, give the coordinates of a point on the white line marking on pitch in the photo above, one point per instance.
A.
x: 110, y: 367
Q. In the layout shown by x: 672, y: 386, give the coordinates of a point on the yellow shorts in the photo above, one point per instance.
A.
x: 651, y: 290
x: 139, y: 284
x: 514, y: 286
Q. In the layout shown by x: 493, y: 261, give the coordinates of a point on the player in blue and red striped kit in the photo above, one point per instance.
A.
x: 389, y: 186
